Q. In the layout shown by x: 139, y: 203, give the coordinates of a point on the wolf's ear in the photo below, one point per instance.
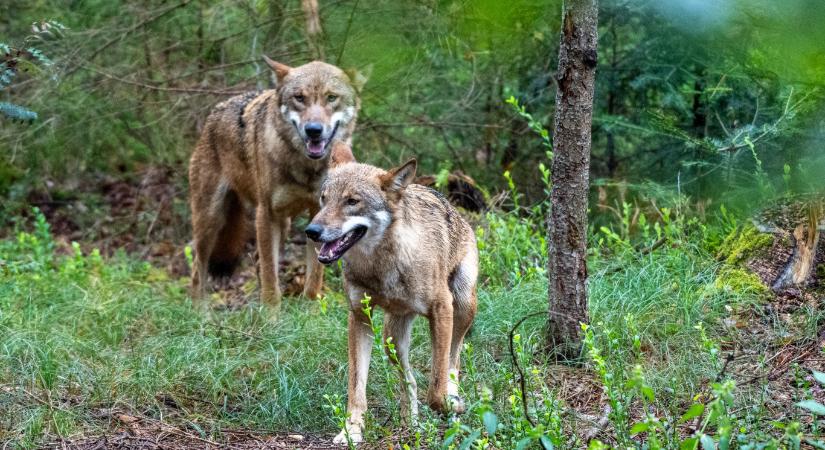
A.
x: 400, y: 177
x: 341, y: 154
x: 280, y: 69
x: 359, y: 78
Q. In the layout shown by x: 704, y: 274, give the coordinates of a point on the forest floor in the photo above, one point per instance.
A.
x: 769, y: 343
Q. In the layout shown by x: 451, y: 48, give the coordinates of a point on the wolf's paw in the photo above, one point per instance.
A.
x: 354, y: 432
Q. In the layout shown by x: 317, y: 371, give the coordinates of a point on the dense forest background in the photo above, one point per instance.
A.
x: 703, y: 98
x: 707, y: 140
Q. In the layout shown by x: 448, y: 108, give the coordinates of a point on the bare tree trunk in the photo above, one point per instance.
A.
x: 313, y: 28
x: 567, y: 222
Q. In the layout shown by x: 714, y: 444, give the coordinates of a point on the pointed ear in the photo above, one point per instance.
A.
x: 341, y: 154
x: 359, y: 78
x: 400, y: 177
x: 281, y: 70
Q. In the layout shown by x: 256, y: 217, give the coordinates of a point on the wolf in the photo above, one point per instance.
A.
x: 267, y: 152
x: 408, y: 251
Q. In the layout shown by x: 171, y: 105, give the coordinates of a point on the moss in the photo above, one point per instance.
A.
x: 743, y: 243
x: 740, y: 280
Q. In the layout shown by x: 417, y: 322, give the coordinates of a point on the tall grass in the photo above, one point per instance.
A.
x: 82, y: 336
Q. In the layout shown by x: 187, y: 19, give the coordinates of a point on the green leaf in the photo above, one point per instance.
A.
x: 812, y: 406
x: 819, y: 376
x: 522, y: 444
x: 689, y: 444
x: 469, y: 441
x: 707, y: 442
x: 546, y: 442
x: 647, y: 391
x: 490, y: 422
x: 693, y: 412
x: 640, y: 427
x: 816, y: 444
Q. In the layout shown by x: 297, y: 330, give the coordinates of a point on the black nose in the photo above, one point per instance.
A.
x: 313, y: 130
x: 314, y: 231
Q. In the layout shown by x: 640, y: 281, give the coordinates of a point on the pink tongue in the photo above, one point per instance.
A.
x: 327, y: 248
x: 316, y: 148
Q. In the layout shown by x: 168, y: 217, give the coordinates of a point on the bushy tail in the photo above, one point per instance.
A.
x: 226, y: 256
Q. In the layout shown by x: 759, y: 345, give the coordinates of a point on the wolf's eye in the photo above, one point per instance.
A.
x: 299, y: 98
x: 352, y: 201
x: 331, y: 98
x: 323, y: 198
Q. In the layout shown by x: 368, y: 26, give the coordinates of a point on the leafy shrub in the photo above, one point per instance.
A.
x: 16, y: 59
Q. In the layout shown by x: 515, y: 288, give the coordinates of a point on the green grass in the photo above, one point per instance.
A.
x: 81, y: 335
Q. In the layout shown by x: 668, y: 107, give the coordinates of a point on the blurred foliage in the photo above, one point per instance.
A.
x: 707, y: 98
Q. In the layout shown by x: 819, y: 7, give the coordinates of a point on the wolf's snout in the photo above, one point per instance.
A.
x: 314, y: 130
x: 314, y: 231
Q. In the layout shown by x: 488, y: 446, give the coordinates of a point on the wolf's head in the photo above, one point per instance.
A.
x: 357, y: 204
x: 318, y: 102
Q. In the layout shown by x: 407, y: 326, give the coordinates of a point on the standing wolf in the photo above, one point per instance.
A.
x: 406, y: 248
x: 269, y: 151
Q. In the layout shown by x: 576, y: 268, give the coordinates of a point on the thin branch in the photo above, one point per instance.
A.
x: 131, y: 29
x: 346, y: 34
x: 166, y: 89
x: 430, y: 124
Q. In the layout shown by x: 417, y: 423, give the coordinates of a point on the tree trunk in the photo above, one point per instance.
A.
x: 567, y: 222
x: 805, y: 238
x: 313, y: 27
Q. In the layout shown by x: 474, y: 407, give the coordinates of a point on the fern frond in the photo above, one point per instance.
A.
x: 39, y: 56
x: 16, y: 112
x: 6, y: 76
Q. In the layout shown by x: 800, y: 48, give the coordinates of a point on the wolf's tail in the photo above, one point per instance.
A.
x: 226, y: 256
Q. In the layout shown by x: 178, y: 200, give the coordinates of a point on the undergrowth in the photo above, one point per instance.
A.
x: 82, y: 335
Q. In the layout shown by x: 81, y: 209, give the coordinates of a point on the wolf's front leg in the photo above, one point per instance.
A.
x: 268, y: 233
x: 360, y: 345
x: 315, y: 271
x: 399, y: 328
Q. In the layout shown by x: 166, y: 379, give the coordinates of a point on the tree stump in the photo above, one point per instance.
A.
x: 798, y: 221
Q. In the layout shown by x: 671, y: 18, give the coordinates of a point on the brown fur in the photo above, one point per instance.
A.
x: 252, y: 160
x: 418, y: 257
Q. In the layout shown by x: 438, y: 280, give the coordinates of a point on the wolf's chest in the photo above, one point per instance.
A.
x: 389, y: 286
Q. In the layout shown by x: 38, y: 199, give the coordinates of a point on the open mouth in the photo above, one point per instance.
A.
x: 317, y: 148
x: 333, y: 250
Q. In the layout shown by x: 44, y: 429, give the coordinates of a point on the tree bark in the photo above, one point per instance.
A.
x: 313, y: 27
x: 805, y: 238
x: 567, y: 221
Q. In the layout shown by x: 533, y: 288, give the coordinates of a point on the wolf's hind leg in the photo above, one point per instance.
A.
x: 465, y: 303
x: 464, y: 310
x: 399, y: 329
x: 207, y: 221
x: 441, y: 331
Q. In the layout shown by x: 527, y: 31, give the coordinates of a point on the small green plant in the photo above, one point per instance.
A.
x: 338, y: 410
x: 534, y: 124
